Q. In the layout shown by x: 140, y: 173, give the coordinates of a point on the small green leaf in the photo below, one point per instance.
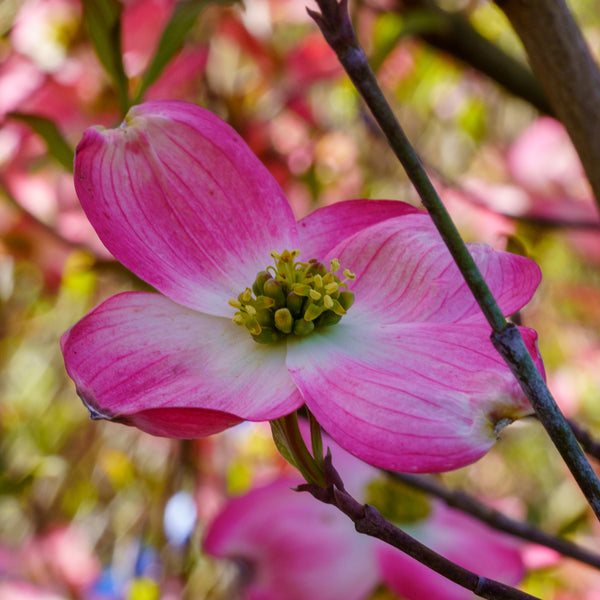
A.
x: 103, y: 20
x: 282, y: 442
x: 58, y: 147
x: 173, y: 37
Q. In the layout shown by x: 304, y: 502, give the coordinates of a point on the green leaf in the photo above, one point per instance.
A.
x: 58, y: 147
x: 281, y: 441
x: 103, y: 20
x: 173, y: 37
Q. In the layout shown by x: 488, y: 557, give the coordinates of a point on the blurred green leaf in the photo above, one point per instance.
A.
x: 173, y: 37
x: 103, y: 20
x: 397, y: 501
x: 58, y: 147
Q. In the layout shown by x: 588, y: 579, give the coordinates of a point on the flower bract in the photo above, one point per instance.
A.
x: 407, y: 379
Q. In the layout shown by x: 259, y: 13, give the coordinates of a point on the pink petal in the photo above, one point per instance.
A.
x: 459, y: 538
x: 326, y: 227
x: 179, y: 198
x: 293, y: 547
x: 413, y: 397
x: 141, y: 359
x: 406, y: 274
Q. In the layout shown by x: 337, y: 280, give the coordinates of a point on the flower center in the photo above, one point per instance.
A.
x: 293, y: 298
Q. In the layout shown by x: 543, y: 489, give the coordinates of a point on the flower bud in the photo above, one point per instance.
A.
x: 303, y: 327
x: 272, y: 288
x: 259, y: 282
x: 283, y: 320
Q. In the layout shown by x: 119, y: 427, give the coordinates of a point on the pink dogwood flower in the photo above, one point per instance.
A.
x: 407, y: 379
x: 287, y: 545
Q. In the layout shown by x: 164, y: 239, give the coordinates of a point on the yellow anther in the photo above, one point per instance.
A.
x: 301, y: 290
x: 292, y: 298
x: 253, y: 327
x: 349, y: 274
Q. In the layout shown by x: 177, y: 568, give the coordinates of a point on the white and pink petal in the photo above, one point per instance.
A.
x: 141, y: 359
x: 178, y: 197
x: 405, y: 273
x: 326, y: 227
x: 420, y: 397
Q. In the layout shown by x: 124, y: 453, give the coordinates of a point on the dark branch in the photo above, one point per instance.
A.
x: 369, y: 521
x: 495, y: 519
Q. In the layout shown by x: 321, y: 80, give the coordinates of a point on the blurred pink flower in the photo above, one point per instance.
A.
x: 62, y: 557
x: 461, y: 539
x: 288, y: 546
x: 407, y: 380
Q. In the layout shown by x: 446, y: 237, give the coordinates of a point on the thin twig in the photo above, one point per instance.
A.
x: 584, y: 437
x: 369, y: 521
x: 338, y: 31
x: 495, y: 519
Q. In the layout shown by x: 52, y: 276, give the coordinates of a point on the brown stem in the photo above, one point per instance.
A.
x: 369, y: 521
x: 562, y: 62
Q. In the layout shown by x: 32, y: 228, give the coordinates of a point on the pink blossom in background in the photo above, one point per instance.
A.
x: 544, y: 162
x: 463, y: 540
x: 288, y: 546
x: 546, y: 181
x: 407, y: 380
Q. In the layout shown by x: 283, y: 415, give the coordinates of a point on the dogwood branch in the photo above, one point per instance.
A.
x: 336, y: 26
x: 564, y: 65
x: 495, y: 519
x: 369, y: 521
x: 585, y: 438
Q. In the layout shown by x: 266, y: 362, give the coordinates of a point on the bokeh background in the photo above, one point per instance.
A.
x: 83, y: 505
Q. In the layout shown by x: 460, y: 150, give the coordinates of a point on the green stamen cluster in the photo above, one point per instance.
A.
x: 293, y: 298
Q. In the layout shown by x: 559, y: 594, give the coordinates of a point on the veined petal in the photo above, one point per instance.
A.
x: 144, y: 360
x: 404, y: 273
x: 179, y: 198
x: 412, y: 397
x: 293, y: 547
x: 326, y: 227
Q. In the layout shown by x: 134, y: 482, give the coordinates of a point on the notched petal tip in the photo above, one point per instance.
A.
x: 95, y: 414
